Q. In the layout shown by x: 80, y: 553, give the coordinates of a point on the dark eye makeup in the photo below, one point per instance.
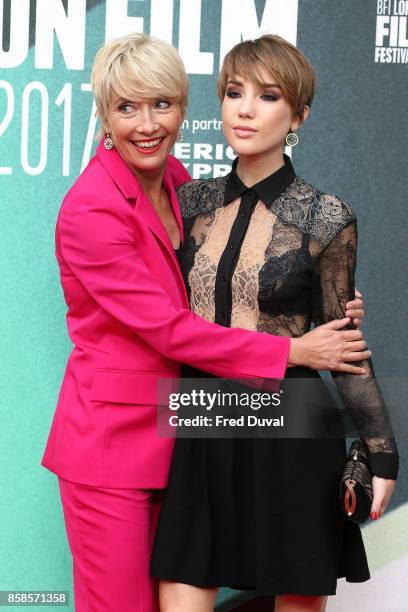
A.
x: 232, y: 93
x: 268, y: 96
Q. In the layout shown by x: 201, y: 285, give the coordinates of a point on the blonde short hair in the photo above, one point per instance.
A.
x: 138, y: 66
x: 289, y: 67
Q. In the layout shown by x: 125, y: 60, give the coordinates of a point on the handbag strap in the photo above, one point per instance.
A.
x: 350, y: 493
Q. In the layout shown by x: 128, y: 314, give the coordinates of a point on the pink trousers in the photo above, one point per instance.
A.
x: 110, y: 534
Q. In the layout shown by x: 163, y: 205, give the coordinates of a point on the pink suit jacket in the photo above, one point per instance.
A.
x: 129, y: 320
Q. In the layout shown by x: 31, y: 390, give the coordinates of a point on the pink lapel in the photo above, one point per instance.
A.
x: 131, y: 189
x: 169, y: 185
x: 145, y: 210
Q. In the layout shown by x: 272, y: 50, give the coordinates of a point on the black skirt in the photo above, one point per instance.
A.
x: 259, y: 513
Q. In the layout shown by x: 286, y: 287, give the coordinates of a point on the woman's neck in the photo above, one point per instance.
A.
x: 254, y: 168
x: 151, y: 183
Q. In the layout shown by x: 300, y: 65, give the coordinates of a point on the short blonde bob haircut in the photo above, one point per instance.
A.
x: 137, y: 66
x: 288, y: 66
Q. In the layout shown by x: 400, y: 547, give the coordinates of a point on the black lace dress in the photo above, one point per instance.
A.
x: 257, y: 513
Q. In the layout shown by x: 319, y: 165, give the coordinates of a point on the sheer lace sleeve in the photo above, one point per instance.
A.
x: 360, y: 393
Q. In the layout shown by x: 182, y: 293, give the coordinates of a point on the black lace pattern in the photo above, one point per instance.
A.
x: 296, y: 266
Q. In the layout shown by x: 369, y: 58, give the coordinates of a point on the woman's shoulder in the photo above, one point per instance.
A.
x: 92, y: 180
x: 201, y: 196
x: 314, y: 211
x: 94, y: 191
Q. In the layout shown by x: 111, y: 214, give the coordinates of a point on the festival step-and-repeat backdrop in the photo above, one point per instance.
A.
x: 354, y: 145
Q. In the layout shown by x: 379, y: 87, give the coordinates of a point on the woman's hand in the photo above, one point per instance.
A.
x: 329, y: 347
x: 382, y: 491
x: 355, y: 309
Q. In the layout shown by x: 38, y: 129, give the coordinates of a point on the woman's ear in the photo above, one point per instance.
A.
x: 298, y: 121
x: 306, y: 111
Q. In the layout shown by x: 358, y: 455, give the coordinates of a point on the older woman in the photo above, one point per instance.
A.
x: 130, y: 323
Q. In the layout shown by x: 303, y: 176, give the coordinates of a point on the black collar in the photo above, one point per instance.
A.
x: 267, y: 190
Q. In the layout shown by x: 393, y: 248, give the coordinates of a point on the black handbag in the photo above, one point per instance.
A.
x: 356, y: 490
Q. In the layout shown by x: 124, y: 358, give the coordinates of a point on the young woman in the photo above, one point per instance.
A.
x: 266, y: 251
x: 130, y: 324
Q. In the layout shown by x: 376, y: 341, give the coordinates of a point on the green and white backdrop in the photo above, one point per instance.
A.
x: 354, y: 145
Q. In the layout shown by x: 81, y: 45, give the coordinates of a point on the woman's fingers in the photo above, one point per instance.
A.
x: 355, y: 309
x: 355, y: 313
x: 382, y: 491
x: 331, y: 347
x: 336, y: 323
x: 376, y: 506
x: 357, y: 301
x: 355, y: 305
x: 357, y: 356
x: 338, y: 326
x: 348, y: 368
x: 356, y: 345
x: 351, y: 334
x: 378, y: 499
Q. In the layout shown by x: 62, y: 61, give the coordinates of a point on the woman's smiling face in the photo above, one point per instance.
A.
x: 256, y: 118
x: 144, y: 131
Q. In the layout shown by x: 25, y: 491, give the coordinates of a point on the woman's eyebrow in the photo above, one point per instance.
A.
x: 265, y: 85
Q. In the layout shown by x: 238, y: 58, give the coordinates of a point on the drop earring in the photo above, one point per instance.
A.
x: 180, y: 136
x: 292, y: 139
x: 108, y: 142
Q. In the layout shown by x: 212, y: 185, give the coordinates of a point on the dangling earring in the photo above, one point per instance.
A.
x: 292, y: 139
x: 180, y: 137
x: 108, y: 142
